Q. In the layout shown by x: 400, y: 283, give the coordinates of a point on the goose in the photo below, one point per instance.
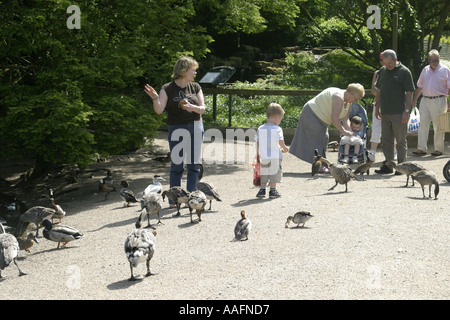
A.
x: 60, y: 233
x: 207, y: 188
x: 152, y: 203
x: 197, y: 202
x: 38, y: 214
x: 140, y: 246
x: 178, y: 195
x: 299, y: 218
x: 242, y: 228
x: 165, y: 158
x: 341, y: 173
x: 156, y: 186
x: 407, y: 168
x: 364, y: 167
x: 427, y: 178
x: 126, y: 194
x: 105, y: 188
x: 9, y: 249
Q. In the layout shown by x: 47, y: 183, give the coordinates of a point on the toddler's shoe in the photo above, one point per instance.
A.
x: 355, y: 159
x: 345, y: 160
x: 274, y: 194
x: 261, y: 193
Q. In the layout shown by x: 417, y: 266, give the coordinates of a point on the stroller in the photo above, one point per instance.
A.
x: 357, y: 110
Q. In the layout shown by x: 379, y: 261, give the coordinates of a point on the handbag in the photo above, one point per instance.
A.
x: 256, y: 172
x: 414, y: 120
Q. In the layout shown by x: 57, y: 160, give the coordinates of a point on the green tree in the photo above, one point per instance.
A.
x: 68, y: 93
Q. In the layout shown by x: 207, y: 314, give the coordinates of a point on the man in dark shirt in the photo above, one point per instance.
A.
x: 395, y: 84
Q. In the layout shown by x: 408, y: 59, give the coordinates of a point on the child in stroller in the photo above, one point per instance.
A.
x: 353, y: 152
x: 356, y: 141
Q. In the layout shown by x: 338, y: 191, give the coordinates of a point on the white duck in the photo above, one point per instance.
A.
x: 140, y: 246
x: 156, y: 186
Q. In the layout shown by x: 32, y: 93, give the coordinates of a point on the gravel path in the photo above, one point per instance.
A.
x: 378, y: 241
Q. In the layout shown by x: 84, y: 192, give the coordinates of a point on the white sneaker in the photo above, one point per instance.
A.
x: 345, y: 160
x: 371, y: 155
x: 355, y: 159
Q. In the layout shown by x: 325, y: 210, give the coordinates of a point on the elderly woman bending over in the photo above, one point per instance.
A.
x: 331, y: 106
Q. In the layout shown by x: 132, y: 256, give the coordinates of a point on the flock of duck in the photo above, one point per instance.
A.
x: 342, y: 173
x: 140, y: 242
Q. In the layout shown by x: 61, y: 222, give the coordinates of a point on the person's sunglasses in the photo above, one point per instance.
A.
x: 434, y: 60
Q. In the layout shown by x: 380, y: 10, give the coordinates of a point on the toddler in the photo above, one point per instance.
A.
x: 356, y: 140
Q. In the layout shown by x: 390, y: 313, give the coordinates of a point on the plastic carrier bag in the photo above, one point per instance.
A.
x: 256, y: 172
x: 414, y: 120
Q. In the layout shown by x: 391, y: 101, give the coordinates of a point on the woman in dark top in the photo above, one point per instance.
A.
x: 183, y: 101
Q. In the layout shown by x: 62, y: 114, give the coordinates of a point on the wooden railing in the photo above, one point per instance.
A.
x: 255, y: 92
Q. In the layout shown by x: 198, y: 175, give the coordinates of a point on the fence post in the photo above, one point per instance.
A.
x: 214, y: 106
x: 230, y: 101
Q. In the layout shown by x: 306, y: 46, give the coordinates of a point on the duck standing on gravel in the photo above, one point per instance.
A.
x: 152, y: 203
x: 341, y: 173
x: 156, y: 186
x: 38, y: 214
x: 207, y: 188
x: 242, y: 228
x: 407, y: 168
x: 197, y: 202
x: 126, y: 194
x: 177, y: 195
x: 427, y: 178
x: 9, y: 249
x: 26, y: 242
x: 316, y: 164
x: 140, y: 246
x: 60, y: 233
x: 105, y: 188
x: 364, y: 167
x: 299, y: 218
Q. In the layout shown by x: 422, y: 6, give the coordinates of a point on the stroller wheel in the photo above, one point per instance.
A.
x: 446, y: 171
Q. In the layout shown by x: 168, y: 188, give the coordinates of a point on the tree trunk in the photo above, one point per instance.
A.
x: 440, y: 28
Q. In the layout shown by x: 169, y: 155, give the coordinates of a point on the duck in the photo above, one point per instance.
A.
x: 427, y: 178
x: 37, y: 214
x: 197, y: 202
x: 139, y: 247
x: 178, y: 195
x: 299, y: 218
x: 59, y: 212
x: 317, y: 163
x: 333, y: 145
x: 126, y: 194
x: 152, y: 203
x: 156, y: 186
x: 207, y: 188
x: 165, y: 158
x: 60, y: 233
x: 25, y: 243
x: 342, y: 174
x: 9, y: 250
x: 108, y: 179
x: 242, y: 228
x: 364, y: 167
x: 407, y: 168
x: 105, y: 188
